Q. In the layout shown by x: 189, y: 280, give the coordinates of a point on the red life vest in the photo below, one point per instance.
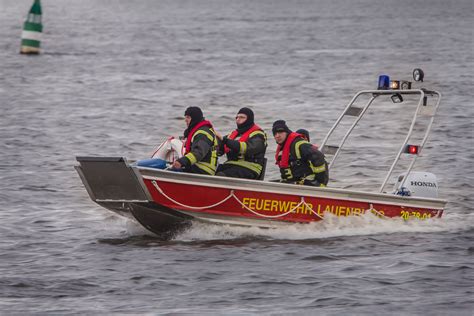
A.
x: 194, y: 130
x: 285, y: 156
x: 244, y: 136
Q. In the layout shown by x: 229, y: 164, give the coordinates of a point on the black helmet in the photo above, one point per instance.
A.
x: 303, y: 133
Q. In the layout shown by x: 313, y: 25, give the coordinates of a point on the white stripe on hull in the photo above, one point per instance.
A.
x: 36, y: 36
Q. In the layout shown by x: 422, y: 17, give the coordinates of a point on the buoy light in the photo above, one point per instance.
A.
x: 412, y: 149
x: 384, y: 82
x: 418, y: 74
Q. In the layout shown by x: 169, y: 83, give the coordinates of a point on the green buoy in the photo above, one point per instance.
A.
x: 32, y: 28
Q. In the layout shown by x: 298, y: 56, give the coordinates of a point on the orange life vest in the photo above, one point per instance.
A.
x: 194, y: 130
x: 285, y: 156
x: 244, y: 136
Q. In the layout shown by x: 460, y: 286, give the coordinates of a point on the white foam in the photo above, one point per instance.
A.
x: 332, y: 226
x: 135, y: 229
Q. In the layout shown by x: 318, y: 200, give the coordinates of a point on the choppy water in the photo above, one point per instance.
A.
x: 114, y: 79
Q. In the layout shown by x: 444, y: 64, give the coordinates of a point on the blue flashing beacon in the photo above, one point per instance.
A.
x: 384, y: 82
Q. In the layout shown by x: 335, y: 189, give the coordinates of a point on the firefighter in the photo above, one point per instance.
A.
x: 299, y: 161
x: 245, y: 148
x: 201, y: 144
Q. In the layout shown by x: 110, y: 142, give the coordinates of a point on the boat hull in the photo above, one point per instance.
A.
x: 166, y: 202
x: 232, y: 204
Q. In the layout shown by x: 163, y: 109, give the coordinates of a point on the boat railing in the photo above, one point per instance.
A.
x: 423, y: 108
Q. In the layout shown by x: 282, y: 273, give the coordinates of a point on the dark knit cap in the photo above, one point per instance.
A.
x: 303, y: 132
x: 280, y: 126
x: 195, y: 113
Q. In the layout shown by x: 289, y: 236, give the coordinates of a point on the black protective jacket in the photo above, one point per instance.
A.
x: 202, y: 157
x: 249, y: 154
x: 307, y: 164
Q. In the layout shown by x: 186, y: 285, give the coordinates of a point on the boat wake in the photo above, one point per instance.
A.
x: 331, y: 226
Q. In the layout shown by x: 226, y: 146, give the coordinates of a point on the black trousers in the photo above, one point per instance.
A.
x: 233, y: 171
x: 194, y: 169
x: 313, y: 183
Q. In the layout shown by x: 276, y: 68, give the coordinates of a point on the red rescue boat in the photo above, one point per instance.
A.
x: 167, y: 202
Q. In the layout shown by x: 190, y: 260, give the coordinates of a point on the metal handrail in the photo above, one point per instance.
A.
x: 364, y: 109
x: 375, y: 93
x: 422, y: 144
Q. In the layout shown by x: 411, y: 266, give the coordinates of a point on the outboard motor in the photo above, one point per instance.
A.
x: 419, y: 184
